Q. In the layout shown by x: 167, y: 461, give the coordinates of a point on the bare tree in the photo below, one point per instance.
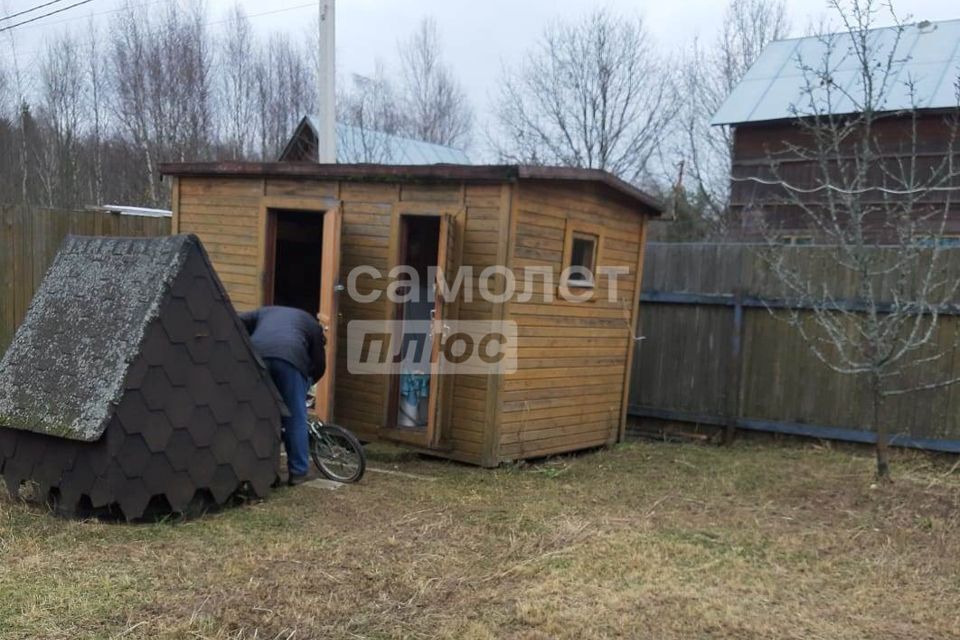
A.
x: 593, y: 94
x: 284, y: 91
x: 63, y: 101
x: 5, y: 93
x: 20, y: 108
x: 8, y: 140
x: 97, y: 110
x: 368, y: 113
x: 237, y: 62
x: 858, y: 176
x: 708, y: 77
x: 435, y: 105
x: 160, y: 66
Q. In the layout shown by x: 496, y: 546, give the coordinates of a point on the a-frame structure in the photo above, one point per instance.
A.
x: 132, y: 388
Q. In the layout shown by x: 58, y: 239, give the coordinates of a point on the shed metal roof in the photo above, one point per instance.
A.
x: 928, y: 55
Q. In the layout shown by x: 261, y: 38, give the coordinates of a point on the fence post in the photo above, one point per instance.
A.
x: 734, y: 367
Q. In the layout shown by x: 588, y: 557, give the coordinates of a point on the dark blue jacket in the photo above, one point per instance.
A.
x: 288, y: 334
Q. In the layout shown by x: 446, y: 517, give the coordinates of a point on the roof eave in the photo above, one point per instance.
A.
x: 434, y: 172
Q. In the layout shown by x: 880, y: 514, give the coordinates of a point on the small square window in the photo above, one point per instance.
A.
x: 583, y: 258
x: 797, y: 241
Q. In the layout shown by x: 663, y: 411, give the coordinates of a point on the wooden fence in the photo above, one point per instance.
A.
x: 713, y: 353
x: 29, y: 239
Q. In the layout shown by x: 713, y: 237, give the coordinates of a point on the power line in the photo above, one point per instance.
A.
x: 46, y: 15
x: 264, y: 13
x: 34, y: 52
x: 155, y: 2
x: 30, y: 10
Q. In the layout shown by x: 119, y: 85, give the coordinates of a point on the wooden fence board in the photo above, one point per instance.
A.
x: 30, y: 238
x: 685, y: 365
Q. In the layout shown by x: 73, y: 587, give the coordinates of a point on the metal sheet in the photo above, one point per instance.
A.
x: 775, y: 86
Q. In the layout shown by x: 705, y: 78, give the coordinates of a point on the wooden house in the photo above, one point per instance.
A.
x: 771, y: 111
x: 292, y: 233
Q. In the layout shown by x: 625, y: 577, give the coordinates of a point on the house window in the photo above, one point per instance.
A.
x: 795, y: 240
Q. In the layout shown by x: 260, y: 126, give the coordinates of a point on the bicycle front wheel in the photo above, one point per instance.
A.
x: 337, y: 453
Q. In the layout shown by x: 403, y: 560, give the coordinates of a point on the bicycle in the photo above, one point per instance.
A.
x: 337, y: 453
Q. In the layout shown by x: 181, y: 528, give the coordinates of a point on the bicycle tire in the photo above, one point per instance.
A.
x: 350, y: 446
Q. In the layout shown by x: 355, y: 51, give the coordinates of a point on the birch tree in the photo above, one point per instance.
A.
x: 160, y: 67
x: 96, y: 108
x: 284, y: 90
x: 237, y: 85
x: 63, y: 100
x: 435, y: 106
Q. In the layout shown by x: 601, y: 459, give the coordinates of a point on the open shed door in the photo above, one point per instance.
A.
x: 441, y: 387
x: 418, y: 392
x: 328, y: 315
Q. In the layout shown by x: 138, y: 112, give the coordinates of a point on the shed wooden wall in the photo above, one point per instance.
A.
x: 224, y: 213
x: 568, y: 393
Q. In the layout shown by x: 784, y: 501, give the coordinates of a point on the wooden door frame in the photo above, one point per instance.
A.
x: 388, y: 429
x: 267, y: 228
x: 266, y: 256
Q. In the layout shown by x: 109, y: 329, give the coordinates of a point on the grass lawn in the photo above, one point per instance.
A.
x: 644, y: 540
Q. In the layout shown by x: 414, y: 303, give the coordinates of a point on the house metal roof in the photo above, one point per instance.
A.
x: 927, y: 55
x: 355, y: 144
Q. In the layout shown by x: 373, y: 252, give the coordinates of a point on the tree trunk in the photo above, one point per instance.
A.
x: 883, y: 460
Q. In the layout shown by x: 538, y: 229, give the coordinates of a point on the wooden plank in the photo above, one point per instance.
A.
x: 631, y: 346
x: 7, y: 312
x: 175, y: 206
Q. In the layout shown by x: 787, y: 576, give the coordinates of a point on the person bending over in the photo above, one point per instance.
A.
x: 291, y: 343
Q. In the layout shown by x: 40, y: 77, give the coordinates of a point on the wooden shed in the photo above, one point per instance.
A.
x: 291, y: 233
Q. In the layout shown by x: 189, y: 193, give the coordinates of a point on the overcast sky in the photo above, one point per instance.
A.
x: 479, y: 36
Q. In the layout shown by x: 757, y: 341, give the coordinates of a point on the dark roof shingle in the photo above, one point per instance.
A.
x: 68, y: 361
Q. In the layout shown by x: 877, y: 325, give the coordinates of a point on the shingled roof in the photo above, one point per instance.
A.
x: 69, y: 358
x: 132, y: 387
x: 68, y: 361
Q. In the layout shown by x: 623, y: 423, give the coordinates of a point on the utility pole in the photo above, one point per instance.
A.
x: 327, y: 99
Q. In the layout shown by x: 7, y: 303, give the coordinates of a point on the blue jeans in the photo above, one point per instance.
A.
x: 293, y: 387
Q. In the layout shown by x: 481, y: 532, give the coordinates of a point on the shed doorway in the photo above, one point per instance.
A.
x: 301, y: 270
x: 415, y: 402
x: 298, y: 260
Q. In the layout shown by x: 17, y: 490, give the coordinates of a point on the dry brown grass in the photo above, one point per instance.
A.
x: 645, y: 540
